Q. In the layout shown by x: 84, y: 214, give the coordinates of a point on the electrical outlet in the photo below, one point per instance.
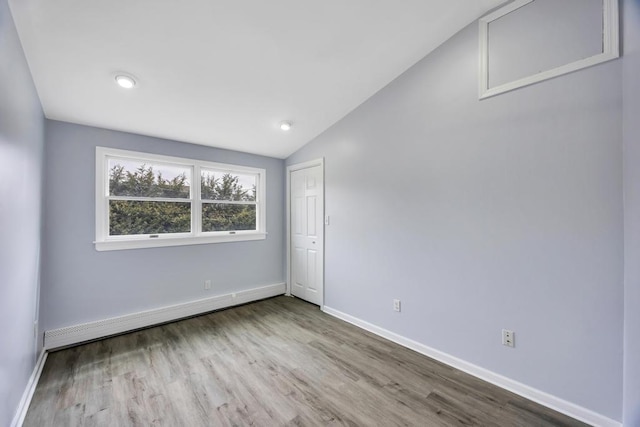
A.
x: 326, y: 220
x: 35, y: 329
x: 207, y: 284
x: 396, y: 305
x: 508, y: 338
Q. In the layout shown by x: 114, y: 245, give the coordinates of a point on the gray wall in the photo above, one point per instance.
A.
x: 631, y: 135
x: 572, y: 27
x: 80, y: 284
x: 21, y: 148
x: 483, y: 215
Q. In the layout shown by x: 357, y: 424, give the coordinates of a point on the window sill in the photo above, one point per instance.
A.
x: 117, y: 245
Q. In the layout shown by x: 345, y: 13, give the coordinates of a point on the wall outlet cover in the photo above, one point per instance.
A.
x: 508, y: 338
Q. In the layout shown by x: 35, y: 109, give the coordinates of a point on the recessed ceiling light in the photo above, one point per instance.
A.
x: 285, y: 126
x: 125, y: 81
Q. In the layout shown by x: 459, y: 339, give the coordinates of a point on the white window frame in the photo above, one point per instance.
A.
x: 104, y: 242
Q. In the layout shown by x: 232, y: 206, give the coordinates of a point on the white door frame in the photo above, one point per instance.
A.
x: 290, y: 169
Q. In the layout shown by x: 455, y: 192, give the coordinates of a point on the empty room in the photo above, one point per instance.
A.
x: 364, y: 213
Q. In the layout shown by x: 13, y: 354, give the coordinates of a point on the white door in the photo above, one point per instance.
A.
x: 307, y: 234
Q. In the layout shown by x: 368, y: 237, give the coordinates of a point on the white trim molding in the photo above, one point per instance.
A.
x: 21, y: 413
x: 77, y: 334
x: 610, y: 49
x: 557, y: 404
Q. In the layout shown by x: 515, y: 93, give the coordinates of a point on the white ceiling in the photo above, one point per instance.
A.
x: 224, y: 73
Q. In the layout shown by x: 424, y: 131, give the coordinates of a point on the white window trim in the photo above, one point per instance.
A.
x: 104, y: 242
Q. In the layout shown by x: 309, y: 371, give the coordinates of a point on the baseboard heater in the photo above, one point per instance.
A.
x: 73, y: 335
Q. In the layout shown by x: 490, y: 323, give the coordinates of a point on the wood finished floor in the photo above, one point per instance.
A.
x: 277, y: 362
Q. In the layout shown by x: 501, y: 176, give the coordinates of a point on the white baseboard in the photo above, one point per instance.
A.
x: 545, y: 399
x: 76, y: 334
x: 18, y: 419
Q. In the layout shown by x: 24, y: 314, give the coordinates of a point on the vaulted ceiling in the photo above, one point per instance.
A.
x: 226, y: 73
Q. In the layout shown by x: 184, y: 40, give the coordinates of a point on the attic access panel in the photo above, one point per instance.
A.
x: 529, y: 41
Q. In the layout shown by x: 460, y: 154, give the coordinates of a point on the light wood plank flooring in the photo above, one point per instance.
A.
x: 277, y: 362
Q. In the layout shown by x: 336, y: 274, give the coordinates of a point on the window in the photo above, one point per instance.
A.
x: 146, y: 200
